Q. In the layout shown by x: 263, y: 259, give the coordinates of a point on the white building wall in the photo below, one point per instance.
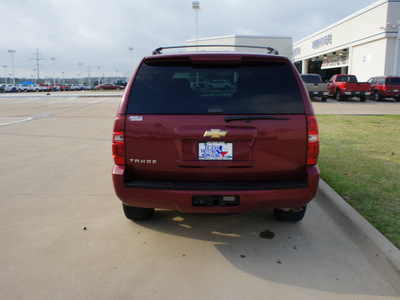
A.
x: 368, y: 60
x: 282, y: 44
x: 368, y: 35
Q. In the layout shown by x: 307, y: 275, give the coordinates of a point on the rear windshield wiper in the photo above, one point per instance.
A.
x: 250, y: 118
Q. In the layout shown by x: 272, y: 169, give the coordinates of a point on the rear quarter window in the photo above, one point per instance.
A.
x: 246, y: 88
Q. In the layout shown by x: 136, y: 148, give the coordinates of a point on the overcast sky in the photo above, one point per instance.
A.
x: 98, y: 33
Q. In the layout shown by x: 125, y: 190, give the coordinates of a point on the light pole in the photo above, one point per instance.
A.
x: 98, y: 68
x: 12, y: 63
x: 80, y: 71
x: 196, y: 7
x: 54, y: 72
x: 130, y: 65
x: 5, y: 72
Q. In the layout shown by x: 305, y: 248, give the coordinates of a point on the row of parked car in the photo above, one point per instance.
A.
x: 10, y: 88
x: 343, y: 86
x: 42, y: 87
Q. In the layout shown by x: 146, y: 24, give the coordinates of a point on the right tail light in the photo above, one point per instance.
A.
x: 313, y: 141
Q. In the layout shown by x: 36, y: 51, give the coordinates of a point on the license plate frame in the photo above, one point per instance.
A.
x: 215, y: 151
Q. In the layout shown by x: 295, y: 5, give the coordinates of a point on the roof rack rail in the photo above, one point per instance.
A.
x: 270, y: 50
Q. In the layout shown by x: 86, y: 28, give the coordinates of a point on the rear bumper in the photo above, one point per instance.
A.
x: 252, y: 197
x: 390, y: 94
x: 356, y: 94
x: 318, y: 93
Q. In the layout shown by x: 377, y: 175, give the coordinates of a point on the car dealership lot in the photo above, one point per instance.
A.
x: 64, y: 234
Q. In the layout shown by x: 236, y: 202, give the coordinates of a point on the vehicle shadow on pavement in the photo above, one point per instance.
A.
x: 312, y: 254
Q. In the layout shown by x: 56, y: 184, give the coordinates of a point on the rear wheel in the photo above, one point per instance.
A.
x: 338, y: 95
x: 363, y: 98
x: 293, y: 215
x: 138, y: 213
x: 324, y: 99
x: 377, y: 96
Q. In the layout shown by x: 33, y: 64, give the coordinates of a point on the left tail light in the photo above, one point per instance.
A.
x: 118, y: 145
x: 313, y: 141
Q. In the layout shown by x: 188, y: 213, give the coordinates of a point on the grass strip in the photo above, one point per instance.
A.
x: 360, y: 160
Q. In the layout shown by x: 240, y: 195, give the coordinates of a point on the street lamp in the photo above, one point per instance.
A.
x: 130, y: 65
x: 196, y: 7
x: 12, y: 62
x: 54, y: 72
x: 98, y: 68
x: 80, y: 71
x: 5, y: 72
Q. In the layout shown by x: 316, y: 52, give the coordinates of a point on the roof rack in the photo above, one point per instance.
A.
x: 270, y: 50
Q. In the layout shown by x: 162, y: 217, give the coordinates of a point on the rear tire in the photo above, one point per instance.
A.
x: 338, y: 96
x: 377, y: 96
x: 138, y: 213
x: 324, y: 99
x: 291, y: 215
x: 363, y: 98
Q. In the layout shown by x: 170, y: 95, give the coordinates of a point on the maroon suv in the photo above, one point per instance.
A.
x: 383, y: 87
x: 180, y: 144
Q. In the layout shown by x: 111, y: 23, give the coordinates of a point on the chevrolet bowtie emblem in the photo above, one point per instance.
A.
x: 215, y: 133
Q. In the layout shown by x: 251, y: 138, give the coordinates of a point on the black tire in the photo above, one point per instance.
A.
x: 290, y: 216
x: 323, y: 99
x: 338, y: 96
x: 377, y: 96
x: 137, y: 213
x: 363, y: 98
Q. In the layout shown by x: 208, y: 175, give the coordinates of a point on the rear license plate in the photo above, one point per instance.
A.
x: 395, y: 91
x: 215, y: 151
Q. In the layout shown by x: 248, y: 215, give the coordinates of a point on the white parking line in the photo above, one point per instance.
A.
x: 95, y: 101
x: 16, y: 122
x: 67, y: 99
x: 23, y: 101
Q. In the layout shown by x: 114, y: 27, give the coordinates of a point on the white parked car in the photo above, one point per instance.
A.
x: 10, y: 88
x: 34, y: 88
x: 22, y: 88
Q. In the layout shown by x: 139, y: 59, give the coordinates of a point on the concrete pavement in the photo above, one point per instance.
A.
x: 64, y: 234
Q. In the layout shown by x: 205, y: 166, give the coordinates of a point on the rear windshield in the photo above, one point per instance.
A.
x: 393, y: 81
x: 311, y: 79
x: 269, y: 88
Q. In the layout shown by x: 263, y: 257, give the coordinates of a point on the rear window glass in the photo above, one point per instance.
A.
x: 393, y: 81
x: 311, y: 79
x: 181, y: 88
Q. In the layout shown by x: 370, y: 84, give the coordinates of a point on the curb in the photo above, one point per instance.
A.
x: 377, y: 247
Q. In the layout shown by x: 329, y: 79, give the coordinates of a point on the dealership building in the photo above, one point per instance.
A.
x: 365, y: 44
x: 283, y: 44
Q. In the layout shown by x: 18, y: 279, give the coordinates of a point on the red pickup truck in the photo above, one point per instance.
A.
x: 347, y: 86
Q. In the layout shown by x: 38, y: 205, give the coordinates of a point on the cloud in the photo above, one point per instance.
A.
x: 98, y: 33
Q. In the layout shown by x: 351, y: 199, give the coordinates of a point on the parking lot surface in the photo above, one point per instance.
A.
x: 64, y: 235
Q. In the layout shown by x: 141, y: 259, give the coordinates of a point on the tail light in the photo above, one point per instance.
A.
x: 313, y: 141
x: 118, y: 145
